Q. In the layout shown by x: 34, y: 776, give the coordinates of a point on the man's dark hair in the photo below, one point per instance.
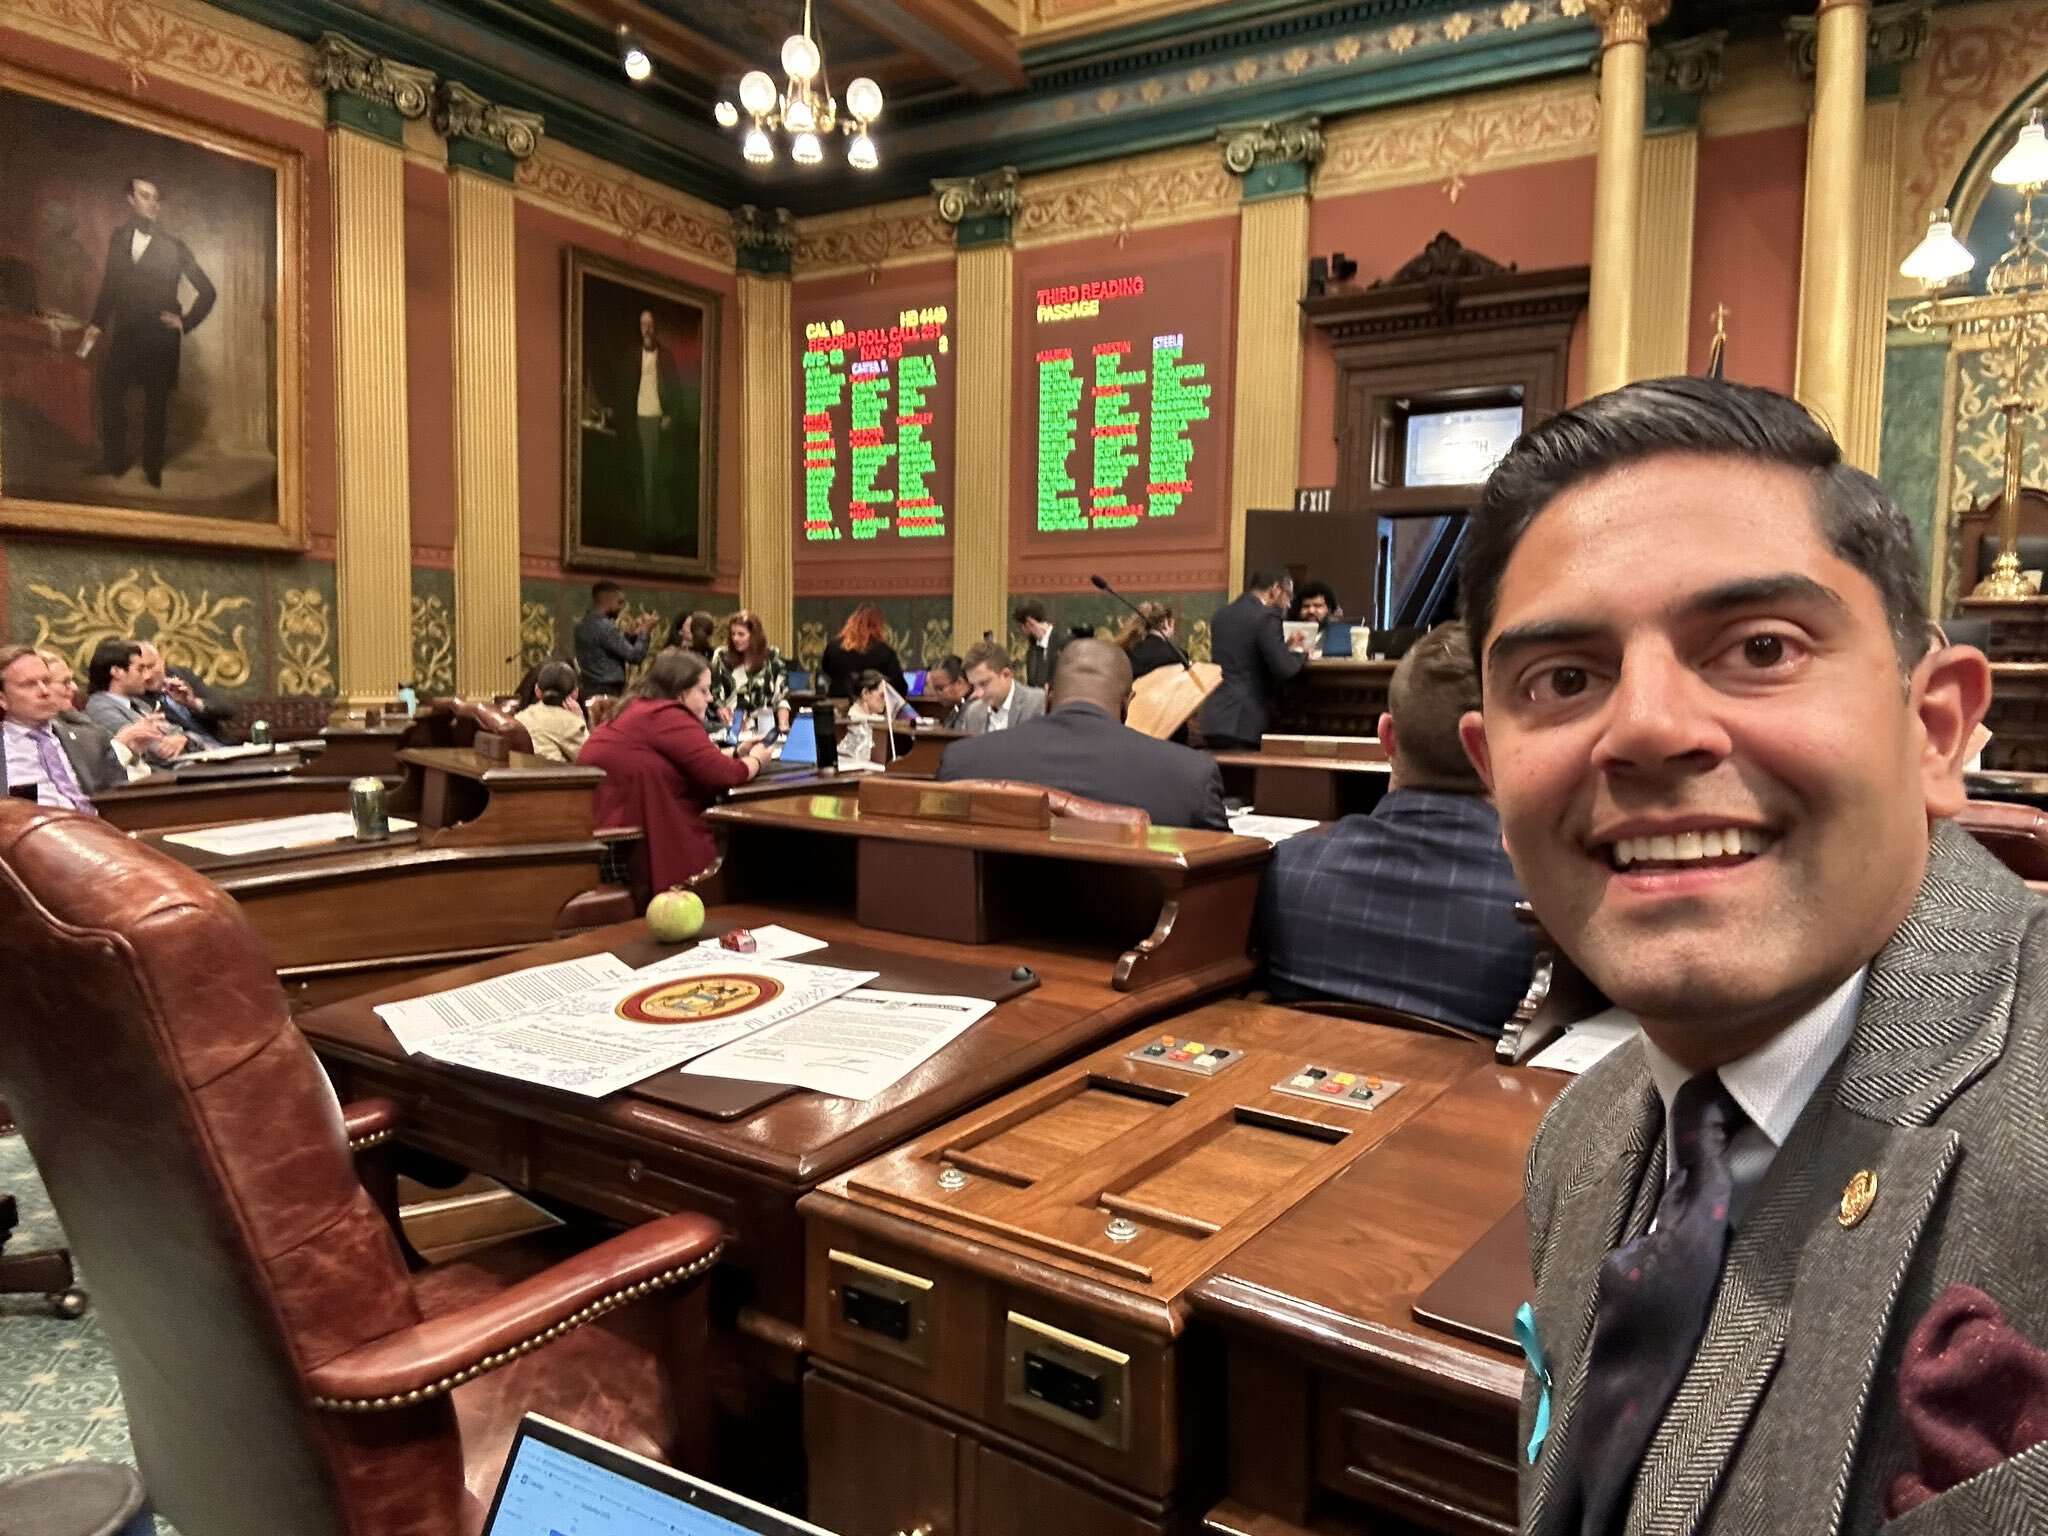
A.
x: 1030, y: 608
x: 129, y: 189
x: 600, y: 590
x: 1266, y: 579
x: 1309, y: 589
x: 1856, y: 515
x: 952, y: 666
x: 106, y: 656
x: 1432, y: 688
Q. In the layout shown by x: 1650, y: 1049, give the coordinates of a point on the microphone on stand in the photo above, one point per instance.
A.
x: 1103, y: 586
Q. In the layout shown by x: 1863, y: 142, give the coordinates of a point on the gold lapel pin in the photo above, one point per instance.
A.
x: 1857, y: 1198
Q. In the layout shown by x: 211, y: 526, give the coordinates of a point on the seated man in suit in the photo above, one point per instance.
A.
x: 119, y: 680
x: 1083, y: 747
x: 995, y: 699
x: 131, y: 743
x: 1248, y: 643
x: 178, y: 702
x: 947, y: 682
x: 1789, y: 1270
x: 1412, y: 906
x: 47, y: 759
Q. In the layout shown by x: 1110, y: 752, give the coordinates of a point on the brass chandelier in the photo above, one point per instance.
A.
x: 803, y: 109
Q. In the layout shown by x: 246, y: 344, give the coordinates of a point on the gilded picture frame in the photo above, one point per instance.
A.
x: 211, y: 423
x: 640, y: 419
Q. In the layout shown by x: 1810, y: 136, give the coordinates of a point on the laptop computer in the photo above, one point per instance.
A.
x: 559, y: 1482
x: 800, y: 745
x: 914, y: 682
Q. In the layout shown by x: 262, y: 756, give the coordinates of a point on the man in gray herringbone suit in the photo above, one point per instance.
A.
x: 1789, y: 1242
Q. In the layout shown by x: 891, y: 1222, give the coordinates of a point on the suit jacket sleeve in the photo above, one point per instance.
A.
x: 1280, y: 662
x: 202, y: 288
x: 110, y: 277
x: 105, y: 712
x: 91, y: 751
x: 1212, y: 815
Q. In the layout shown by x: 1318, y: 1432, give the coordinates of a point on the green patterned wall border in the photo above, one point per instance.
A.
x: 1909, y: 443
x: 252, y: 626
x: 433, y: 631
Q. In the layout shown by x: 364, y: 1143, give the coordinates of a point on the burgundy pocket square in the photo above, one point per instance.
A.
x: 1973, y: 1391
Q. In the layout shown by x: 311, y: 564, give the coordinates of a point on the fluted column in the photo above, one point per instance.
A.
x: 980, y: 209
x: 368, y: 99
x: 1275, y: 162
x: 764, y: 240
x: 1834, y: 194
x: 1618, y: 187
x: 1679, y: 75
x: 484, y: 144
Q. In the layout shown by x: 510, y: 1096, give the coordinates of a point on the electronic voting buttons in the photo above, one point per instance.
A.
x: 1186, y: 1055
x: 1334, y: 1085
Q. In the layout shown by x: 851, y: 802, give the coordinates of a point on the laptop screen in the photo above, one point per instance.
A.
x: 914, y: 682
x: 801, y: 744
x: 560, y: 1483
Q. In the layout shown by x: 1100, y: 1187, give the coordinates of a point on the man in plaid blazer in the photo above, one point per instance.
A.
x: 1413, y: 906
x: 1726, y: 748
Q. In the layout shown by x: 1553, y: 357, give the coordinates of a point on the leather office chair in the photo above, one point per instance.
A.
x: 458, y: 722
x: 2017, y: 835
x: 282, y: 1370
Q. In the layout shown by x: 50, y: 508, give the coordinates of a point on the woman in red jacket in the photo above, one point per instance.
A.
x: 661, y: 768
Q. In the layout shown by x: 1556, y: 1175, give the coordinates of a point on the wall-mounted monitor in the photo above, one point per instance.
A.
x: 1458, y: 447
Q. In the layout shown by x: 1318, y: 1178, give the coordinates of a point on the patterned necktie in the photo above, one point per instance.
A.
x: 57, y: 773
x: 1654, y: 1296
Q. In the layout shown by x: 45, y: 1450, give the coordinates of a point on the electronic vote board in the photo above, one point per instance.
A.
x: 876, y: 394
x: 1121, y: 375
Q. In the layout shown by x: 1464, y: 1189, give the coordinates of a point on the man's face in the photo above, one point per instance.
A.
x: 945, y: 686
x: 646, y: 328
x: 1713, y: 781
x: 1280, y: 596
x: 143, y: 199
x: 60, y: 680
x: 152, y: 663
x: 26, y: 692
x: 1036, y: 630
x: 989, y: 684
x: 611, y: 603
x: 1315, y: 609
x: 131, y: 681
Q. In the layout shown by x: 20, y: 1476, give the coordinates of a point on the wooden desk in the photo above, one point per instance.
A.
x: 1343, y: 1407
x: 742, y: 1152
x: 1003, y: 1301
x: 1335, y: 697
x: 353, y: 752
x: 209, y: 794
x: 918, y: 751
x: 1166, y: 900
x: 498, y: 853
x: 1315, y: 788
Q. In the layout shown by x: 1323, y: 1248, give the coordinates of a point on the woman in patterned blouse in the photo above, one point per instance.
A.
x: 749, y: 675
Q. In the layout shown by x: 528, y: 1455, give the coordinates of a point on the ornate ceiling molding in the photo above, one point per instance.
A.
x: 577, y: 186
x: 870, y: 239
x: 1177, y: 187
x: 186, y: 43
x: 1291, y: 141
x: 1449, y: 144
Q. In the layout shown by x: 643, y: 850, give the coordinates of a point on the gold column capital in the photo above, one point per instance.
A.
x: 991, y: 195
x: 1282, y: 141
x: 460, y: 113
x: 1626, y: 21
x: 1898, y: 33
x: 763, y: 240
x: 342, y: 67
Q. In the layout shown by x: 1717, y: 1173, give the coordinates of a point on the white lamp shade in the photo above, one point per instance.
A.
x: 797, y: 117
x: 800, y: 58
x: 864, y: 99
x: 2026, y: 163
x: 860, y: 154
x: 757, y: 150
x: 1939, y: 257
x: 757, y: 92
x: 638, y: 66
x: 805, y: 150
x: 727, y: 114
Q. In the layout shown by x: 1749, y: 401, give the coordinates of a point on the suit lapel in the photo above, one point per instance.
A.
x: 1801, y: 1286
x: 1609, y: 1194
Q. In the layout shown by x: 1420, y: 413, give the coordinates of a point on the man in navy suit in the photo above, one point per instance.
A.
x: 1082, y: 746
x: 1245, y: 638
x: 1412, y: 906
x: 139, y: 302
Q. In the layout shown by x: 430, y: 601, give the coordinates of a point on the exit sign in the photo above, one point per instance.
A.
x: 1313, y: 498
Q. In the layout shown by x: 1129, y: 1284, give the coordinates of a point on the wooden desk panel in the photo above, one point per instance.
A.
x: 173, y: 801
x: 1344, y: 1407
x: 1335, y: 697
x: 1313, y: 788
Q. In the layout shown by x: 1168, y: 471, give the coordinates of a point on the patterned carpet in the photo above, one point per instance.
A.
x: 59, y: 1401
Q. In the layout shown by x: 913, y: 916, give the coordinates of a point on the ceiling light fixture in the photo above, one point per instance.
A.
x: 634, y: 58
x: 803, y: 108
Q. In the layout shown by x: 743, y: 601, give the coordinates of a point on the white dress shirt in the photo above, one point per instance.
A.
x: 1772, y: 1084
x: 138, y: 242
x: 649, y: 403
x: 999, y: 715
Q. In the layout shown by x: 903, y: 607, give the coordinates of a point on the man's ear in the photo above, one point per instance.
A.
x: 1951, y: 692
x: 1386, y: 730
x: 1472, y: 736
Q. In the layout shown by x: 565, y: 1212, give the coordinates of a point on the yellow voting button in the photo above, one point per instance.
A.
x: 1347, y: 1078
x: 1857, y: 1198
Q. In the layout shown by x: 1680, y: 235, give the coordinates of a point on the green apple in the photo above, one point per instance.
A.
x: 676, y: 915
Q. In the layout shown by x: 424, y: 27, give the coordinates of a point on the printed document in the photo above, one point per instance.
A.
x: 854, y: 1046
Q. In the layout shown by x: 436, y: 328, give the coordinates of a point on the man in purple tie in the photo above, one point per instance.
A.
x: 52, y: 761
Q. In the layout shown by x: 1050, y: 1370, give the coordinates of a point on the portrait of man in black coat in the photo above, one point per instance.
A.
x: 143, y: 319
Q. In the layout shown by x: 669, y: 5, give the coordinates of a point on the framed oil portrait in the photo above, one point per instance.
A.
x: 151, y: 323
x: 641, y: 435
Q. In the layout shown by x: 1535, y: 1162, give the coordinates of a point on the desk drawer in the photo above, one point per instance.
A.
x: 876, y: 1470
x: 447, y: 1123
x: 1419, y: 1454
x: 597, y: 1175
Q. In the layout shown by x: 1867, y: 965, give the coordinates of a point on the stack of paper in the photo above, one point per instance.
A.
x: 278, y: 832
x: 1584, y: 1043
x: 1274, y: 829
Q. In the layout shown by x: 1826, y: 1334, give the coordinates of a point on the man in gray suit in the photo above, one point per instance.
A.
x: 1083, y: 747
x: 48, y: 758
x: 1726, y: 745
x: 119, y: 678
x: 996, y: 700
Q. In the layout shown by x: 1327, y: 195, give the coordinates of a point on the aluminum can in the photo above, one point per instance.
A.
x: 366, y: 804
x: 259, y: 733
